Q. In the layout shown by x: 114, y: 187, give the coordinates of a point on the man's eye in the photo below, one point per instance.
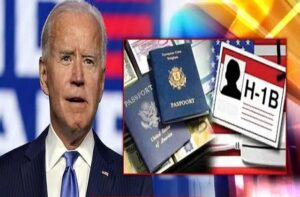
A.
x: 88, y: 61
x: 66, y: 59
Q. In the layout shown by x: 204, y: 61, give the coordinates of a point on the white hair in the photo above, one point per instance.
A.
x: 73, y: 6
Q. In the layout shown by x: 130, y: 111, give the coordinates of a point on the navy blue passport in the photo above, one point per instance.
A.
x: 156, y: 142
x: 177, y: 84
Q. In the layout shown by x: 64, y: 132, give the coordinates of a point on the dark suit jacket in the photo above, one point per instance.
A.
x: 22, y: 172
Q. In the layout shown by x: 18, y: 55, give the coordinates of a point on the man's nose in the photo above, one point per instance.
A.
x: 77, y: 73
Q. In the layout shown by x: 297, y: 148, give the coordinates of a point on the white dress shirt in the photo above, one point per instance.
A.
x: 56, y: 163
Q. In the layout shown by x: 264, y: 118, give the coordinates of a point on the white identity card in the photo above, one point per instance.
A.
x: 249, y: 95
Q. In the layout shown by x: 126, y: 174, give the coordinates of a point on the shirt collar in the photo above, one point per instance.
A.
x: 55, y: 148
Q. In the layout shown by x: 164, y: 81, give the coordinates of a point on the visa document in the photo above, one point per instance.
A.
x: 129, y: 74
x: 249, y: 95
x: 141, y: 48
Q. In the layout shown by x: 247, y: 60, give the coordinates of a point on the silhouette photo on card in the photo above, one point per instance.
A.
x: 232, y: 75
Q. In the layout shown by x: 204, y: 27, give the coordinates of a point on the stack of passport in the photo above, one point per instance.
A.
x: 156, y: 105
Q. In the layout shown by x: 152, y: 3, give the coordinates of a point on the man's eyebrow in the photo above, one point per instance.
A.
x: 66, y: 52
x: 90, y: 56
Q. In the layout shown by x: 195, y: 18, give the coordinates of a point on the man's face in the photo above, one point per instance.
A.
x: 72, y: 75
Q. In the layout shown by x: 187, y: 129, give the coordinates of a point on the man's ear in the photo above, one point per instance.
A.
x: 102, y: 80
x: 43, y: 76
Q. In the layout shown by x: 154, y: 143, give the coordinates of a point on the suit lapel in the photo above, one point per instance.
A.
x: 102, y: 177
x: 33, y: 171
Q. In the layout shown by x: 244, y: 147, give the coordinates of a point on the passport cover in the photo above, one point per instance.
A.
x: 177, y: 83
x: 156, y: 142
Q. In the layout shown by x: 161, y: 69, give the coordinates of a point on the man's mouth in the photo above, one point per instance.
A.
x: 76, y: 100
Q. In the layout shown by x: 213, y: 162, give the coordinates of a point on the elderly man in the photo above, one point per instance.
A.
x: 68, y: 159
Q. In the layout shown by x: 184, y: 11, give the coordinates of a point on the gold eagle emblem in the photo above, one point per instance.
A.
x: 177, y: 78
